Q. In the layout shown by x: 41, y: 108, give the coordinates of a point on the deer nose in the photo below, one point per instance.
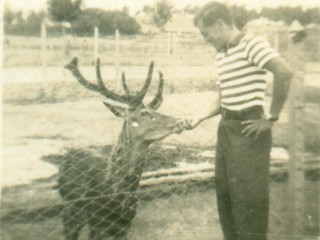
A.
x: 177, y: 127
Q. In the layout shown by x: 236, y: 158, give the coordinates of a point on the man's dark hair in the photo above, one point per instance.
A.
x: 213, y: 11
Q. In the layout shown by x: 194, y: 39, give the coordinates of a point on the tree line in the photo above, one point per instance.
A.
x: 285, y: 14
x: 82, y: 21
x: 69, y: 17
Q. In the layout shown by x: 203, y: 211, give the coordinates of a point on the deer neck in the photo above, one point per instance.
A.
x: 126, y: 163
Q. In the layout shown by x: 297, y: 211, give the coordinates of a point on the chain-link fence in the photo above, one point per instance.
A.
x: 106, y: 184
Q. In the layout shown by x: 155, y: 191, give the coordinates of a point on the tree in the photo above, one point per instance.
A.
x: 106, y: 21
x: 125, y: 23
x: 13, y: 22
x: 147, y: 9
x: 64, y: 10
x: 241, y: 15
x: 190, y: 9
x: 162, y: 13
x: 313, y: 15
x: 289, y: 14
x: 8, y: 16
x: 33, y: 23
x: 16, y: 24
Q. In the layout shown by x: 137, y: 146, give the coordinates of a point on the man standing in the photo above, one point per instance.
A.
x: 244, y: 133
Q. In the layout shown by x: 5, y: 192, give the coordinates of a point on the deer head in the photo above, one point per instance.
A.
x: 141, y: 122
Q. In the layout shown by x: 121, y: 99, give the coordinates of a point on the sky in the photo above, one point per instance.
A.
x: 135, y: 5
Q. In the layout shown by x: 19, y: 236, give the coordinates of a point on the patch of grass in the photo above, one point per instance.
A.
x: 71, y: 91
x: 162, y: 198
x: 26, y: 51
x: 61, y: 91
x: 53, y: 137
x: 185, y: 210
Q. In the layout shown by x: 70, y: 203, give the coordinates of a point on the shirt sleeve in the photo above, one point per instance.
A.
x: 259, y: 51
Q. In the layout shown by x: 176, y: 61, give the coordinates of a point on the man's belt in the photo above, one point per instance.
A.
x: 254, y: 112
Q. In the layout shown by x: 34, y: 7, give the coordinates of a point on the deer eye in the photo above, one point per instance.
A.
x: 145, y: 113
x: 135, y: 124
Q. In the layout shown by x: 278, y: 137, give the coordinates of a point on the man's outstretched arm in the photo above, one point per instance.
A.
x: 213, y: 110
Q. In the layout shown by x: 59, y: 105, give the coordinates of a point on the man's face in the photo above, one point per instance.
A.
x: 213, y: 34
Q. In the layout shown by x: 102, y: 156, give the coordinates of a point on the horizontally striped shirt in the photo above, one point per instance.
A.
x: 242, y: 78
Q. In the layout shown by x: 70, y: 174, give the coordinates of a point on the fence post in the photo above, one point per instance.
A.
x: 276, y: 41
x: 117, y: 60
x: 44, y: 49
x: 173, y: 62
x: 174, y: 43
x: 296, y: 172
x: 96, y: 45
x: 168, y: 45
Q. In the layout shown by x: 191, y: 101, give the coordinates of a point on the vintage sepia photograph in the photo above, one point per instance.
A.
x: 160, y: 120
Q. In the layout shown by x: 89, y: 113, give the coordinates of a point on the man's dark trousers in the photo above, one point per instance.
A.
x: 242, y: 181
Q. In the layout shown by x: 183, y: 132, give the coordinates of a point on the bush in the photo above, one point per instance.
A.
x: 64, y: 10
x: 83, y: 25
x: 125, y: 23
x: 106, y: 21
x: 15, y: 24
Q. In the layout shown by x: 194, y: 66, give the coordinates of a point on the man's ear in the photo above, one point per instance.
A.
x: 220, y: 23
x: 116, y: 110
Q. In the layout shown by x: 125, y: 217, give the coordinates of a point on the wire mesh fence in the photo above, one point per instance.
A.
x: 164, y: 192
x: 172, y: 201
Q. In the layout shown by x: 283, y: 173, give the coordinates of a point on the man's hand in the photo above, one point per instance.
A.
x: 256, y: 127
x: 189, y: 123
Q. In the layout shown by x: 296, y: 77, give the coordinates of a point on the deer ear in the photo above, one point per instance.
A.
x: 116, y: 110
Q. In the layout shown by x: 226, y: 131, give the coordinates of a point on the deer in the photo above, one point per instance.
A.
x: 104, y: 196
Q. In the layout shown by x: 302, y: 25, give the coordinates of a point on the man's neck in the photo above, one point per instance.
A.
x: 234, y: 32
x: 232, y: 35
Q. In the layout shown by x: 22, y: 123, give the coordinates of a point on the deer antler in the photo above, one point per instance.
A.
x: 156, y: 102
x: 100, y: 88
x: 140, y: 95
x: 132, y: 100
x: 125, y: 87
x: 98, y: 73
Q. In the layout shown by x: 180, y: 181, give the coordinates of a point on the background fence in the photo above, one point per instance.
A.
x: 50, y: 122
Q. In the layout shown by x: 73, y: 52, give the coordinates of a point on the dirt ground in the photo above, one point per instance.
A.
x: 169, y: 211
x: 49, y: 125
x: 31, y: 131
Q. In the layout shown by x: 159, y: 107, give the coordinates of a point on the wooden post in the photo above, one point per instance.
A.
x: 276, y: 41
x: 173, y: 60
x: 44, y: 63
x: 168, y: 46
x: 157, y: 49
x: 296, y: 173
x: 117, y: 60
x: 174, y: 43
x: 96, y: 45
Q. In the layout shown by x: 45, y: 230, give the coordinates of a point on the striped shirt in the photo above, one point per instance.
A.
x: 242, y: 78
